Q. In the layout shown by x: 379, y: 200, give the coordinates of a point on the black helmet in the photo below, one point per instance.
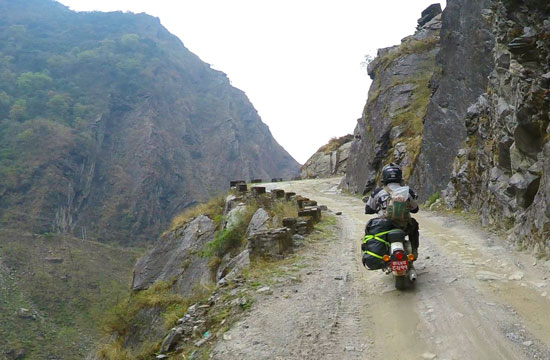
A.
x: 391, y: 173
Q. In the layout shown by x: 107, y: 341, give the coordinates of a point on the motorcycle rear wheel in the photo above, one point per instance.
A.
x: 400, y: 282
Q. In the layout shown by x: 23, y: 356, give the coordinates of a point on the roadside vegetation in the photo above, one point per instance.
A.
x: 156, y: 310
x: 55, y: 290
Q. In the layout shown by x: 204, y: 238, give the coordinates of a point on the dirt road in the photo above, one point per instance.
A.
x: 475, y: 298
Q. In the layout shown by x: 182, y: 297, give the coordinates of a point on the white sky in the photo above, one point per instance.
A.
x: 297, y: 60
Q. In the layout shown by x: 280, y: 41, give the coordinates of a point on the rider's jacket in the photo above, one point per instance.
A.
x: 378, y: 200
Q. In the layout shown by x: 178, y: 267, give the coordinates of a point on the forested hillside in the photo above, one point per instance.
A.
x: 109, y: 125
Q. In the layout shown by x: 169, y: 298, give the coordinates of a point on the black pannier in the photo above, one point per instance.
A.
x: 373, y: 251
x: 379, y: 234
x: 378, y: 225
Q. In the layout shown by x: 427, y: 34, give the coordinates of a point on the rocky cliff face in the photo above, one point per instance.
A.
x: 329, y: 160
x: 484, y: 130
x: 502, y: 170
x: 391, y: 126
x: 464, y: 63
x: 110, y: 125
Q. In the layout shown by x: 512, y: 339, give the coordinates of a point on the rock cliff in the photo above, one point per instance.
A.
x: 464, y: 63
x: 481, y: 134
x: 329, y: 160
x: 110, y: 126
x: 502, y: 170
x: 390, y: 128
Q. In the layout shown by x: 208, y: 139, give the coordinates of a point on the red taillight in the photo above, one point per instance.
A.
x: 399, y: 255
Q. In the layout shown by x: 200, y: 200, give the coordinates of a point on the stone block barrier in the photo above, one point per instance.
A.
x: 272, y: 243
x: 258, y: 190
x: 278, y: 193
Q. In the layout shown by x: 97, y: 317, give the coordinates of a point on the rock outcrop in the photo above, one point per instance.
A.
x: 482, y: 135
x: 464, y: 64
x: 175, y: 258
x: 390, y: 129
x: 329, y: 160
x: 204, y: 256
x: 503, y: 169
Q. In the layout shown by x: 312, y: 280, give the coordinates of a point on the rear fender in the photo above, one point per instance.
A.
x: 396, y: 246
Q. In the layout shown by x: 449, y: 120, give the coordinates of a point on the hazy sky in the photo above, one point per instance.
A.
x: 297, y: 60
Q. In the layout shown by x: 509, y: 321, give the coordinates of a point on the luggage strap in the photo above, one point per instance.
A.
x: 377, y: 236
x: 373, y: 254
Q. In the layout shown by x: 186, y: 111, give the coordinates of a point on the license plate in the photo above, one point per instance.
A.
x: 399, y: 265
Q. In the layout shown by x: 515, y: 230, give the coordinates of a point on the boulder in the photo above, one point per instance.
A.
x: 235, y: 215
x: 519, y: 161
x: 428, y: 14
x: 289, y: 222
x: 523, y: 44
x: 171, y: 340
x: 309, y: 203
x: 300, y: 201
x: 258, y: 222
x: 304, y: 225
x: 230, y: 202
x: 237, y: 264
x: 176, y: 256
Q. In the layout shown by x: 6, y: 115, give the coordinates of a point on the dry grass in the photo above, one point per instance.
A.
x: 282, y: 209
x: 213, y: 209
x: 113, y: 351
x: 334, y: 143
x: 409, y: 46
x: 121, y: 318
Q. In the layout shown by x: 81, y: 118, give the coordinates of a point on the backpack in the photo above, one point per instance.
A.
x: 397, y: 208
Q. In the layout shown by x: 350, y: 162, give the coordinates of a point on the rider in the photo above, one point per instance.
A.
x: 392, y: 177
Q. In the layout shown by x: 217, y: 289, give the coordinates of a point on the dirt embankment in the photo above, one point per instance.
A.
x: 475, y: 298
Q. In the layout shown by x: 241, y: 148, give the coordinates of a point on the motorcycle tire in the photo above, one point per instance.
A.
x: 400, y: 282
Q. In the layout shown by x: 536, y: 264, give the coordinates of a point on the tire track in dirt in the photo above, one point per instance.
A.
x: 455, y: 311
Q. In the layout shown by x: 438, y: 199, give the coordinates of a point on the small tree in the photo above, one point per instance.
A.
x: 366, y: 61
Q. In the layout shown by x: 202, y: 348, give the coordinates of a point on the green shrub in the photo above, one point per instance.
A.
x: 432, y: 199
x: 226, y: 240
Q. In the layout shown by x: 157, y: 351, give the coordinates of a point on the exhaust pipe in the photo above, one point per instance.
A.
x: 412, y: 275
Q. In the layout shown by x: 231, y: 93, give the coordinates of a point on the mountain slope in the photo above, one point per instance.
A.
x: 109, y: 125
x: 55, y: 291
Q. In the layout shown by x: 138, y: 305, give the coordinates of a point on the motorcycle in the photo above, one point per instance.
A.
x: 400, y: 261
x: 389, y: 251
